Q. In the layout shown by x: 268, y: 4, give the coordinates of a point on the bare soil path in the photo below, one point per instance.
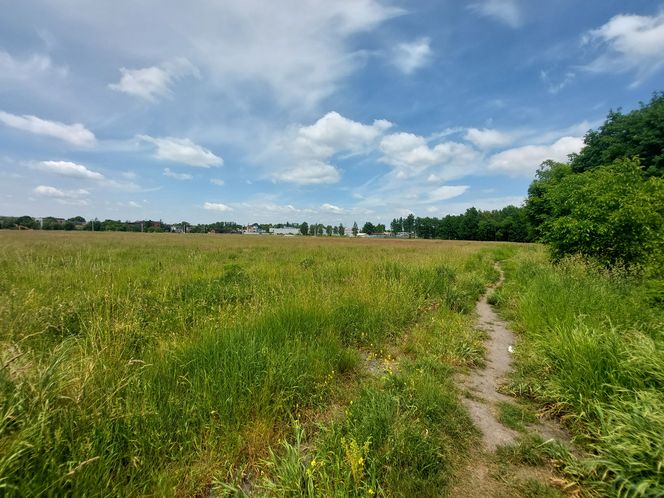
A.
x: 482, y: 397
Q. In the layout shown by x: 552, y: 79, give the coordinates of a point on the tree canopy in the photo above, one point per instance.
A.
x: 613, y: 214
x: 639, y: 133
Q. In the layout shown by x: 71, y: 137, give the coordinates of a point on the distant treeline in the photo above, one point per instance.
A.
x: 507, y: 224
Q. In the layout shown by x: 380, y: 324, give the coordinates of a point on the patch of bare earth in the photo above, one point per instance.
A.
x: 486, y: 475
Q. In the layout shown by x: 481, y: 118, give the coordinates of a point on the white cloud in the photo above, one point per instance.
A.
x: 310, y: 173
x: 14, y: 69
x: 331, y: 208
x: 409, y: 57
x: 134, y: 204
x: 630, y: 43
x: 66, y: 168
x: 334, y: 133
x: 524, y: 161
x: 295, y: 59
x: 217, y: 181
x: 217, y: 206
x: 505, y: 11
x: 183, y: 150
x: 447, y: 192
x: 177, y: 176
x: 72, y: 197
x: 487, y: 138
x: 411, y: 155
x: 554, y: 88
x: 75, y: 134
x: 313, y: 146
x: 152, y: 83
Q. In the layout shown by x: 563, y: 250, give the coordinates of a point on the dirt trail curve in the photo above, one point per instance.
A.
x: 481, y: 399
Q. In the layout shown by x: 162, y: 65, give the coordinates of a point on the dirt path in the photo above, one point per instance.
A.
x: 482, y: 384
x: 481, y: 399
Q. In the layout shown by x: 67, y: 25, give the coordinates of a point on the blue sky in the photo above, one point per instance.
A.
x: 308, y: 110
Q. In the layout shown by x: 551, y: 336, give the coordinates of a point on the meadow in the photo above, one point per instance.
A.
x: 164, y: 365
x: 224, y: 365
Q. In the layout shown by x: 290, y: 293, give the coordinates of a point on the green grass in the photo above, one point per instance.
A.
x: 591, y: 351
x: 515, y: 416
x: 157, y: 364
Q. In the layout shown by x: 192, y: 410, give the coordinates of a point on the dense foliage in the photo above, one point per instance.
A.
x: 613, y: 214
x: 637, y: 134
x: 606, y: 204
x: 508, y: 224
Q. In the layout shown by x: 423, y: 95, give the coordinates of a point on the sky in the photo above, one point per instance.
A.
x: 306, y: 110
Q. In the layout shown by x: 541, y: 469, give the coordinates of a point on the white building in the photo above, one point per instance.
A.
x: 285, y: 231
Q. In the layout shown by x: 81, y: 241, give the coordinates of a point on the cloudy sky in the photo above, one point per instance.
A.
x: 315, y: 110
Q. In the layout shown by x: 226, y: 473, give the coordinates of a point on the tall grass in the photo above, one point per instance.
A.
x: 591, y: 351
x: 152, y: 364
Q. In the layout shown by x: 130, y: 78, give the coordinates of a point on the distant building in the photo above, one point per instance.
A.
x: 285, y: 231
x: 252, y: 229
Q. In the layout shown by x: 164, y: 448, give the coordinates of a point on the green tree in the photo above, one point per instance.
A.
x: 368, y: 228
x: 342, y: 230
x: 304, y: 228
x: 613, y: 214
x: 329, y: 230
x: 538, y: 204
x: 409, y: 223
x: 355, y: 229
x: 639, y: 133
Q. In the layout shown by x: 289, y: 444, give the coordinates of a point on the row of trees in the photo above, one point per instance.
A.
x: 508, y: 224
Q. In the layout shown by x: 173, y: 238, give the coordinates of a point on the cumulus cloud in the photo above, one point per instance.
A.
x: 313, y: 146
x: 487, y: 138
x: 217, y: 206
x: 629, y: 43
x: 310, y: 173
x: 506, y: 11
x: 183, y: 150
x: 155, y: 82
x: 334, y: 133
x: 75, y: 134
x: 524, y: 161
x: 177, y: 176
x: 66, y: 168
x: 409, y: 57
x: 410, y: 155
x: 73, y: 197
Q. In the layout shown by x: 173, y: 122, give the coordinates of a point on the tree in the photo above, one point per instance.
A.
x: 637, y: 134
x: 304, y: 228
x: 409, y: 223
x: 538, y: 204
x: 613, y: 214
x: 470, y: 224
x: 328, y: 230
x: 342, y: 230
x: 355, y: 229
x: 368, y: 228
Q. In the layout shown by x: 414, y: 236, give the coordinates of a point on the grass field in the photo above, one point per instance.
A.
x: 157, y: 364
x: 184, y: 365
x: 591, y: 351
